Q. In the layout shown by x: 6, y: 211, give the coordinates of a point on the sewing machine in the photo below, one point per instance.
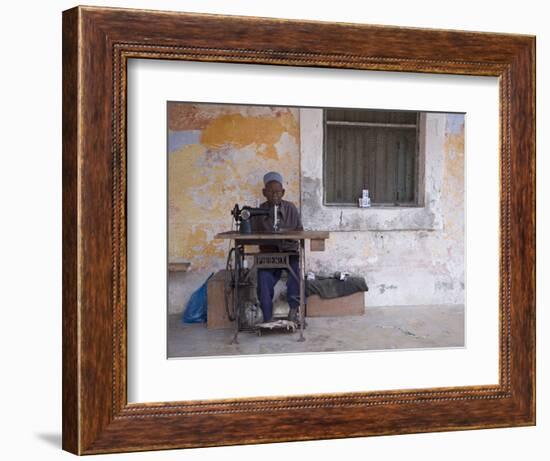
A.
x: 244, y: 215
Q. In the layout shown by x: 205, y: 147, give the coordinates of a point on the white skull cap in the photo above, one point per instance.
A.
x: 273, y: 176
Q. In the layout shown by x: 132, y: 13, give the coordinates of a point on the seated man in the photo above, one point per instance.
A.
x: 289, y: 219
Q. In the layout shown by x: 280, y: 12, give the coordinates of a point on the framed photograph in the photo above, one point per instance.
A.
x: 278, y: 230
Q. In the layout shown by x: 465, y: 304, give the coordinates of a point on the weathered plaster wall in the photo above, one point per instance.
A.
x: 217, y: 156
x: 219, y: 153
x: 408, y: 256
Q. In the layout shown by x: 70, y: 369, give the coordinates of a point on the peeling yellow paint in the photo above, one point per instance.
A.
x: 238, y: 145
x: 187, y: 116
x: 453, y: 191
x: 240, y: 131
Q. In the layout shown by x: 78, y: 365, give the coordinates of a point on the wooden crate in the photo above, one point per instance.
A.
x: 336, y: 307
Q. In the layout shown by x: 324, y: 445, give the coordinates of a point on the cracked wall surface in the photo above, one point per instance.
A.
x: 217, y: 155
x: 409, y: 256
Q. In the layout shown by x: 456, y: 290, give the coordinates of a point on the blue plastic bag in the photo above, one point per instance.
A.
x: 195, y: 311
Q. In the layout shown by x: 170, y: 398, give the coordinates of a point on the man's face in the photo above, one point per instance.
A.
x: 273, y: 192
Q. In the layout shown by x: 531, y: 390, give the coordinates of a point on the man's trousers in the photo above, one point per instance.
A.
x: 267, y: 278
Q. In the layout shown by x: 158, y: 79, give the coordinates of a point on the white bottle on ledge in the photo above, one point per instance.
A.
x: 365, y: 199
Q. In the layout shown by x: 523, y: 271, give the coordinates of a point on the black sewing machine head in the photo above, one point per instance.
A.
x: 243, y: 217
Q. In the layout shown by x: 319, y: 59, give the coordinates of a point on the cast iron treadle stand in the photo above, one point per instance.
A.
x: 238, y: 277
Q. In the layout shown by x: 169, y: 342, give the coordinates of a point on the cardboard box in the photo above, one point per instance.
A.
x: 216, y: 314
x: 336, y: 307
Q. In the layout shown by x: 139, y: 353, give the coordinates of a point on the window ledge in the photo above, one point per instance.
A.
x: 347, y: 219
x: 348, y: 206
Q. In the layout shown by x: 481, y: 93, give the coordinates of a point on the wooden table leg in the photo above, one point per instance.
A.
x: 237, y: 268
x: 301, y: 308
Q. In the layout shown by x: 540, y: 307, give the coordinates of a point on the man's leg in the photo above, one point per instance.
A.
x: 293, y: 288
x: 267, y: 278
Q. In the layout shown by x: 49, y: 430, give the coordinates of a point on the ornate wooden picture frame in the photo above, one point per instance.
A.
x: 97, y: 44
